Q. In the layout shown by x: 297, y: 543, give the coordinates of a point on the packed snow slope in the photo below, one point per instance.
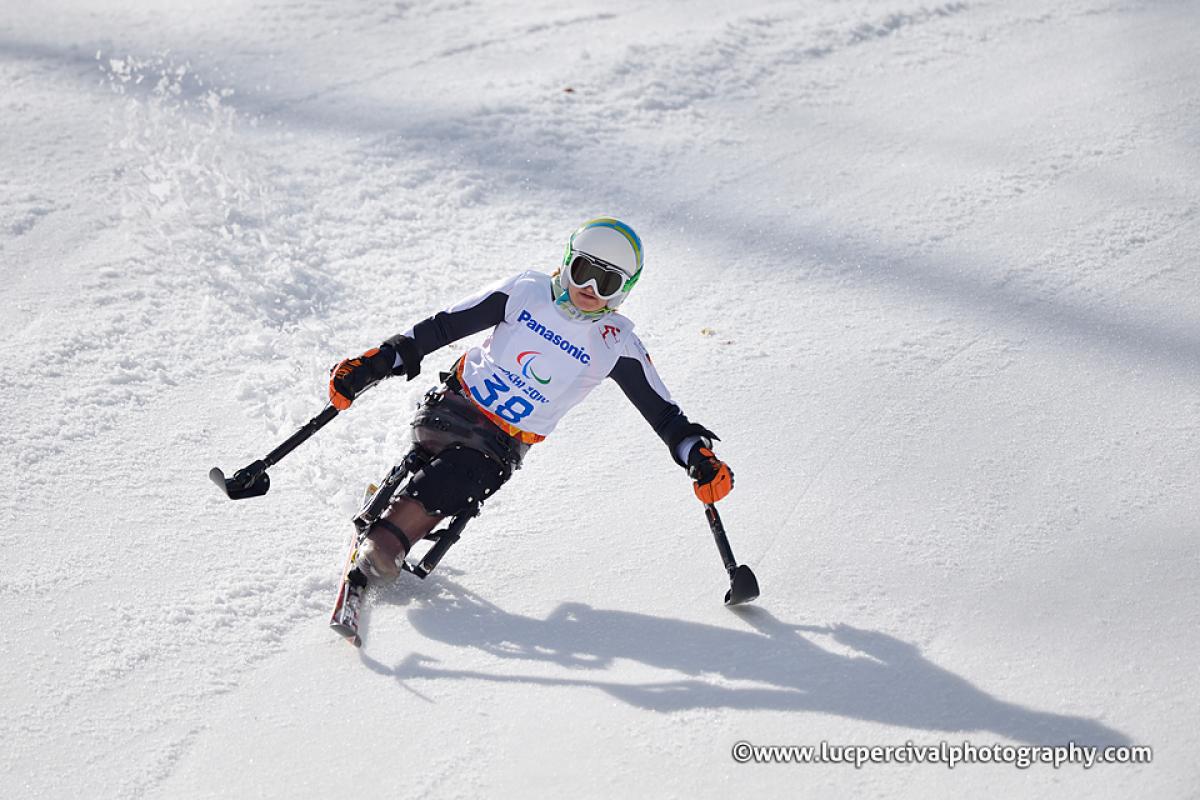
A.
x: 929, y: 270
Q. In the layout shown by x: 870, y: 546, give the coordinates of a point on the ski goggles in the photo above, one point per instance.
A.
x: 605, y: 279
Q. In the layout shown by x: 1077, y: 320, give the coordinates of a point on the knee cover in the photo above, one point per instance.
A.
x: 455, y: 481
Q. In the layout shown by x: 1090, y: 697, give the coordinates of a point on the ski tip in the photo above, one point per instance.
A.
x: 347, y: 633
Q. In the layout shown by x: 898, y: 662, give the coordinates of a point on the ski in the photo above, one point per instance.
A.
x: 351, y: 589
x: 352, y: 586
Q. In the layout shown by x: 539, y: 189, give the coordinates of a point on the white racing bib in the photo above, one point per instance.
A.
x: 537, y: 363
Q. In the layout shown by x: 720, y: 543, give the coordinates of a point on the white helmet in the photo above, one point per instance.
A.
x: 606, y: 254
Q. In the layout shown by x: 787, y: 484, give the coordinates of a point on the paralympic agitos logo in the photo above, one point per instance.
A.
x: 525, y: 362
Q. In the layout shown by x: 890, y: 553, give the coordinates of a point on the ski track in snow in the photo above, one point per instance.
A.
x: 924, y: 267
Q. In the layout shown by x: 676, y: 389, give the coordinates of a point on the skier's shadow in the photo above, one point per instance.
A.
x: 880, y: 679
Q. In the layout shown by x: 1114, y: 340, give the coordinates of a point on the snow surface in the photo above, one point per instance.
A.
x: 928, y: 269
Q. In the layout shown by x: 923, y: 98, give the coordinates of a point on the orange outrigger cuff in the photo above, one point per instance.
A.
x: 337, y: 400
x: 343, y: 369
x: 717, y: 488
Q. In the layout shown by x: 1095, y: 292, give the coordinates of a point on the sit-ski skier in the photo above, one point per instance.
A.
x: 553, y: 339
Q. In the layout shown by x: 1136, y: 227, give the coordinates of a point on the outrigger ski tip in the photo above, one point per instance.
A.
x: 244, y: 483
x: 743, y: 586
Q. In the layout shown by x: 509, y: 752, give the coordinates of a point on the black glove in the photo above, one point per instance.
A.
x: 352, y: 376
